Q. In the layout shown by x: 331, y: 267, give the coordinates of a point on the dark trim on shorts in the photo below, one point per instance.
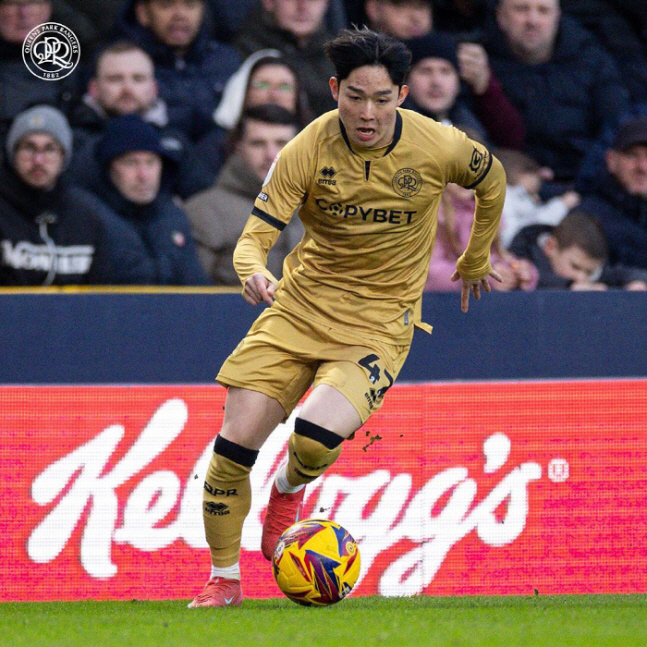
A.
x: 308, y: 429
x: 270, y: 220
x: 235, y: 452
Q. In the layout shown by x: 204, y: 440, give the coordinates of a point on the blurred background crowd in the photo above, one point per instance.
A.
x: 142, y: 165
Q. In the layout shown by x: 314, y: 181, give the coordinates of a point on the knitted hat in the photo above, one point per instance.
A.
x: 126, y: 134
x: 433, y: 45
x: 40, y: 119
x: 630, y: 133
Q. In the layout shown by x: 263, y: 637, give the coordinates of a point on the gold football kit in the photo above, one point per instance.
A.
x: 351, y: 290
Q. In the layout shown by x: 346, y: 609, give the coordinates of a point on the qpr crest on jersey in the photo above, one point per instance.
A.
x: 407, y: 182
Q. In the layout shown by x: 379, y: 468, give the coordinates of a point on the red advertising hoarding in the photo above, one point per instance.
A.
x: 461, y: 488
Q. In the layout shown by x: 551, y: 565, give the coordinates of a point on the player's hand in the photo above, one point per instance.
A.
x: 259, y: 289
x: 474, y: 286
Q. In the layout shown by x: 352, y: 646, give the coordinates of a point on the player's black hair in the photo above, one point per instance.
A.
x: 353, y: 48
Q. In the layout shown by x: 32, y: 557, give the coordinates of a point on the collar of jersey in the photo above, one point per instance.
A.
x: 396, y: 135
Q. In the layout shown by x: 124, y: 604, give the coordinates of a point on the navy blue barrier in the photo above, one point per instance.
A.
x: 183, y: 336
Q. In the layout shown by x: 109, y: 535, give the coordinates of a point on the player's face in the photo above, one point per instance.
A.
x: 300, y: 17
x: 261, y: 142
x: 404, y: 21
x: 38, y: 161
x: 530, y: 26
x: 125, y: 83
x: 19, y: 17
x: 367, y: 102
x: 175, y: 23
x: 434, y: 85
x: 272, y: 83
x: 630, y: 169
x: 137, y: 176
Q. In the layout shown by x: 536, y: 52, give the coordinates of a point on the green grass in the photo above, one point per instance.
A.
x: 586, y: 620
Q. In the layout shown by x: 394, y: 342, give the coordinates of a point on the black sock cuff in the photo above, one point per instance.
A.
x: 308, y: 429
x: 235, y: 452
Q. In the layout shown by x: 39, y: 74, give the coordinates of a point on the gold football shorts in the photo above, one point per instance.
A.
x: 282, y: 356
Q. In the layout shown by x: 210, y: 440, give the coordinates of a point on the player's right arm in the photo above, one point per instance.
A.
x: 282, y: 192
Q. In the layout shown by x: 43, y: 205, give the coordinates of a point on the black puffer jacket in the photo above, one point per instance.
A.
x: 564, y: 102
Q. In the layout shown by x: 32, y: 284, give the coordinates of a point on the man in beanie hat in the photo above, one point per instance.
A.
x: 51, y: 233
x: 617, y: 195
x: 438, y: 63
x: 132, y: 160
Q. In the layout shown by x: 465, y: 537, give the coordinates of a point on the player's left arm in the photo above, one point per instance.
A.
x: 483, y: 172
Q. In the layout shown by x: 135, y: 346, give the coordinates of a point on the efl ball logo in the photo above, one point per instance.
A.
x: 51, y: 51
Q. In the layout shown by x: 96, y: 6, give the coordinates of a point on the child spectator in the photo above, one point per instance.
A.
x: 573, y: 255
x: 455, y: 217
x: 523, y: 206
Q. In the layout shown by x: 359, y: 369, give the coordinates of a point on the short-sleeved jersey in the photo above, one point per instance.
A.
x: 370, y: 220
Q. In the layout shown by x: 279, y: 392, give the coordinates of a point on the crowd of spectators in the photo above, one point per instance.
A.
x: 142, y: 165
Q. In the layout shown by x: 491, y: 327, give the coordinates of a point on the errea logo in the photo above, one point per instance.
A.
x: 328, y: 173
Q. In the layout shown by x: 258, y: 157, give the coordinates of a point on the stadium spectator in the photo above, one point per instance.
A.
x: 191, y: 68
x: 455, y: 217
x: 523, y: 204
x: 435, y: 90
x: 264, y: 77
x: 218, y: 215
x: 402, y: 19
x: 573, y: 256
x: 124, y: 83
x: 19, y: 88
x: 51, y: 233
x: 559, y: 78
x: 617, y: 196
x: 297, y: 30
x: 131, y: 159
x: 229, y: 17
x: 366, y: 179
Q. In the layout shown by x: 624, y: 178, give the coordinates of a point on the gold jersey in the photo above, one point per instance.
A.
x: 370, y: 220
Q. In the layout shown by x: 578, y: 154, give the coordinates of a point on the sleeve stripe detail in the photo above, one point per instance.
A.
x: 270, y: 220
x: 480, y: 179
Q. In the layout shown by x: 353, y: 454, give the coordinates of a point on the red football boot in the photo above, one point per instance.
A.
x: 282, y: 511
x: 219, y: 592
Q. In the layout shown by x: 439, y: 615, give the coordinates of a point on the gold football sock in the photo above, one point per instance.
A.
x: 311, y: 451
x: 226, y: 500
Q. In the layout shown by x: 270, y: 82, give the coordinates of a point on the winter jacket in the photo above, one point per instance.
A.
x: 218, y: 216
x: 157, y: 240
x: 623, y: 218
x: 528, y: 244
x: 564, y: 102
x: 311, y: 61
x: 191, y: 85
x: 521, y: 209
x: 57, y: 237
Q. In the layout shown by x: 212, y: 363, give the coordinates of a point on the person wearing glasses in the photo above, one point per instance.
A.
x: 298, y: 30
x: 51, y: 232
x: 264, y: 78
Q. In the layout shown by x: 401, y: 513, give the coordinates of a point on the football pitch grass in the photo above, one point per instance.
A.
x: 553, y: 621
